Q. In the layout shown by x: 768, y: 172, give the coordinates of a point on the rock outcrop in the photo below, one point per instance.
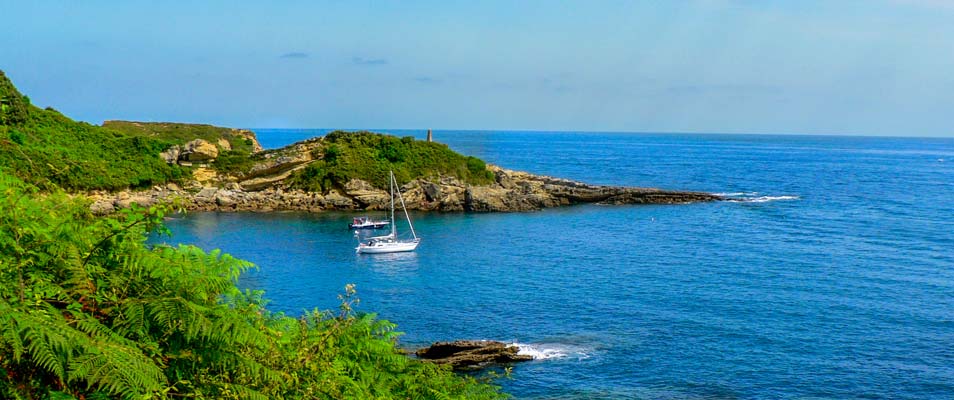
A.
x: 195, y: 143
x: 471, y: 354
x: 171, y: 155
x: 198, y: 150
x: 248, y: 136
x: 513, y: 191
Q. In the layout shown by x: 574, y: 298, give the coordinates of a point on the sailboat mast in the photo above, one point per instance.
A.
x: 393, y: 223
x: 403, y: 207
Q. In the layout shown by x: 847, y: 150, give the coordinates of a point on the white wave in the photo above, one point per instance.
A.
x: 764, y: 199
x: 737, y: 194
x: 549, y: 351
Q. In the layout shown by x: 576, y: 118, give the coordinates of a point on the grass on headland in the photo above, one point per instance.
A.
x: 180, y: 133
x: 46, y: 148
x: 369, y: 156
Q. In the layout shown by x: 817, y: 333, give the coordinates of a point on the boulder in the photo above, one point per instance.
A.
x: 102, y: 207
x: 171, y: 155
x: 224, y: 198
x: 141, y: 199
x: 337, y: 201
x: 202, y: 174
x: 198, y: 150
x: 224, y: 144
x: 206, y: 194
x: 471, y: 354
x: 432, y: 192
x: 366, y: 196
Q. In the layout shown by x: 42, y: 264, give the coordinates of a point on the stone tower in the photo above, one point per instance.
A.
x: 430, y: 138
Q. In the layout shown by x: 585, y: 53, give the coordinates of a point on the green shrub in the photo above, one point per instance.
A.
x: 233, y: 161
x: 181, y: 133
x: 16, y: 136
x: 369, y: 156
x: 88, y: 310
x: 49, y: 149
x: 14, y: 107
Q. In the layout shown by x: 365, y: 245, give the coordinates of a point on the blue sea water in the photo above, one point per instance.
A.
x: 834, y: 279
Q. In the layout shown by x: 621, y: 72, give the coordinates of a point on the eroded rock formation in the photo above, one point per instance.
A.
x: 470, y: 354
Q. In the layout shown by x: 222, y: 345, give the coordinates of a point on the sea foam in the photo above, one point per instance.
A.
x: 549, y: 351
x: 765, y: 199
x: 753, y: 197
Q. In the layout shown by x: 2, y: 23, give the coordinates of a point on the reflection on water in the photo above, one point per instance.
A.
x: 390, y: 264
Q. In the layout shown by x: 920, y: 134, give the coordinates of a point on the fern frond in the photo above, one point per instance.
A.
x: 119, y: 370
x: 10, y: 330
x: 244, y: 392
x: 49, y: 341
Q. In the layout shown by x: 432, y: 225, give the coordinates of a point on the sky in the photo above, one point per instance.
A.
x: 868, y: 67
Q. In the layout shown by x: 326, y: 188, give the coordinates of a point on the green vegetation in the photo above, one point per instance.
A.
x: 369, y: 156
x: 48, y: 149
x: 233, y: 161
x: 88, y: 310
x: 180, y: 134
x: 13, y: 105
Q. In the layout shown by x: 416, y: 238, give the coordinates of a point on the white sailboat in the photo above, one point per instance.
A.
x: 391, y: 243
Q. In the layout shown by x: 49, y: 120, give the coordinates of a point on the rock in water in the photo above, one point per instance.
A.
x: 470, y: 354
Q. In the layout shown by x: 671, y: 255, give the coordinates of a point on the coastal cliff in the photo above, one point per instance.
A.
x: 513, y: 191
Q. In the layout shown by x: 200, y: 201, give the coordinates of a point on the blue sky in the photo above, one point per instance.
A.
x: 872, y: 67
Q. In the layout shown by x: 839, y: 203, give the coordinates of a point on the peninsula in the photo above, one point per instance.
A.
x: 222, y: 169
x: 284, y: 179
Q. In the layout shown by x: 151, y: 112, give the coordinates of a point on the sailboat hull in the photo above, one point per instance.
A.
x: 387, y: 247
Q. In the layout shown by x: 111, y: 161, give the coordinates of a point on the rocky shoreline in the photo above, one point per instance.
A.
x: 512, y: 191
x: 265, y: 187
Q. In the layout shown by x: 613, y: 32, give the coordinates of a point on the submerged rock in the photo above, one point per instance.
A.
x: 471, y: 354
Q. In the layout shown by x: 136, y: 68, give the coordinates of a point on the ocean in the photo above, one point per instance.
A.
x: 831, y: 275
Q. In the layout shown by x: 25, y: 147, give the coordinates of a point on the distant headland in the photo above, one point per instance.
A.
x: 224, y: 169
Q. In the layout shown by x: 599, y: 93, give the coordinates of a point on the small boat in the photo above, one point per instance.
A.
x: 391, y: 243
x: 367, y: 223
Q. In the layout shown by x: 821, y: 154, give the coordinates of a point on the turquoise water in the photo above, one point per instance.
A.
x: 835, y: 279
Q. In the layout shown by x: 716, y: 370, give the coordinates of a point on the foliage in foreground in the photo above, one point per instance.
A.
x: 88, y: 310
x: 45, y: 147
x: 369, y: 156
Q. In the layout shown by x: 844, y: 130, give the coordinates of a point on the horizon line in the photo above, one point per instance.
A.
x: 845, y: 135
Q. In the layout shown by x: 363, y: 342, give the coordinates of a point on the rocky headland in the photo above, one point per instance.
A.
x: 265, y: 186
